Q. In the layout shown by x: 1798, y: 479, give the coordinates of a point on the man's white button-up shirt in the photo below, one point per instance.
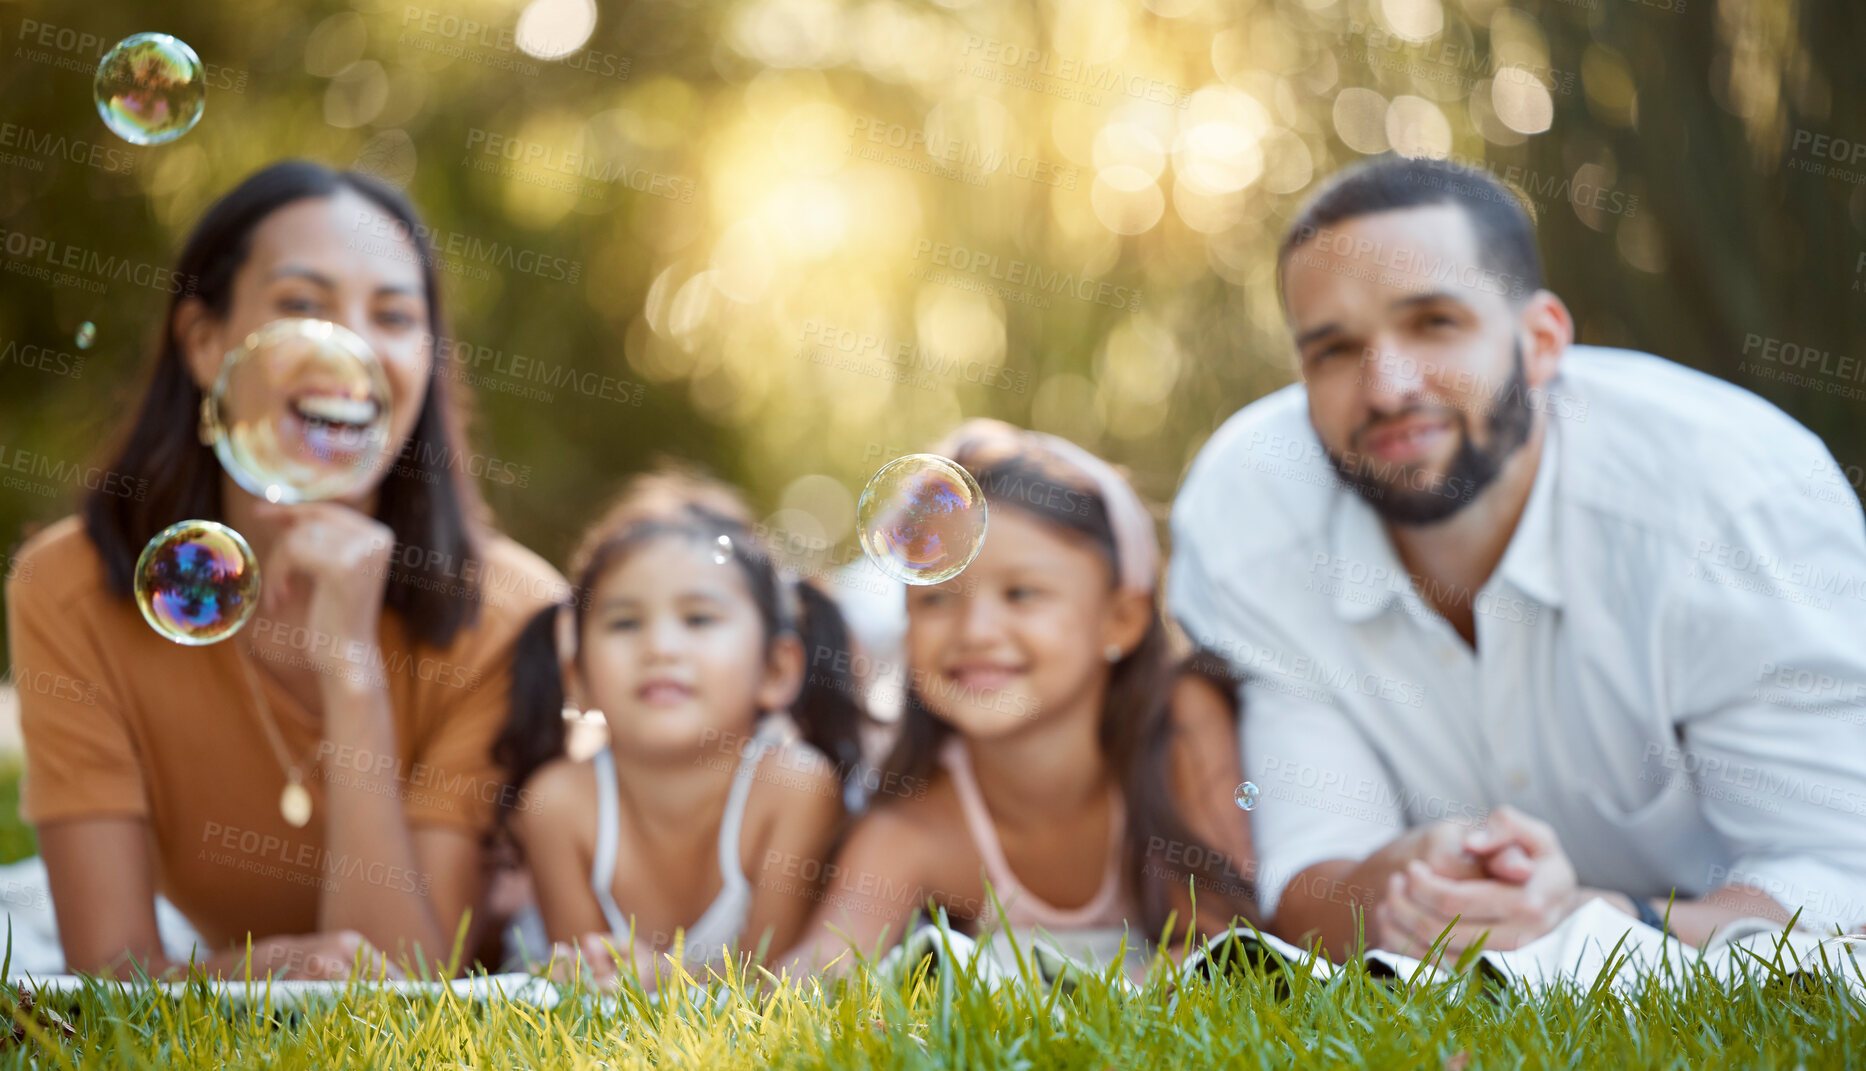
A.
x: 1670, y: 659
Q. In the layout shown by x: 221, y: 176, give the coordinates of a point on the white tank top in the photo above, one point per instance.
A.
x: 719, y: 926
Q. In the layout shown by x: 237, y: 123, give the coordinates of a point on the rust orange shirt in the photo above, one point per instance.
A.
x: 117, y: 720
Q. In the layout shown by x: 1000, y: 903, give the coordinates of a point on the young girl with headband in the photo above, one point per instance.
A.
x: 1045, y: 709
x: 725, y: 761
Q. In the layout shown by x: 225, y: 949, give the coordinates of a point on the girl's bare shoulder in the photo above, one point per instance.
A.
x: 791, y: 772
x: 557, y: 803
x: 795, y: 802
x: 1203, y: 707
x: 926, y: 825
x: 796, y: 782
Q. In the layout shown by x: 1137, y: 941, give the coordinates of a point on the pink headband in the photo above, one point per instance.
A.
x: 1137, y: 547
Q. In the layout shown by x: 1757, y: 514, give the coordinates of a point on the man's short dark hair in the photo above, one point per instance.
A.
x: 1506, y: 239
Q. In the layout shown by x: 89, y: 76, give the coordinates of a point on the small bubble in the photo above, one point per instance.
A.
x: 722, y: 550
x: 150, y: 88
x: 1247, y: 795
x: 196, y: 582
x: 87, y: 334
x: 922, y: 519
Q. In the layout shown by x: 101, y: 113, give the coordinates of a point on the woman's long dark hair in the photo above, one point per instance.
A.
x: 668, y: 504
x: 426, y: 498
x: 1136, y: 732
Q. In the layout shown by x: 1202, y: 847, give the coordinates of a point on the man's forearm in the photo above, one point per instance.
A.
x: 1694, y: 921
x: 1335, y: 900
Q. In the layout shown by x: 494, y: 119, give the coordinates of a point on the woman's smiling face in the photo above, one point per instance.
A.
x: 322, y: 258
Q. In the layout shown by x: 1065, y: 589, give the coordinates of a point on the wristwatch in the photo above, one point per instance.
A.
x: 1649, y: 915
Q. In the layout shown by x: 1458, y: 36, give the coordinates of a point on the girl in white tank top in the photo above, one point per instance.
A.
x: 718, y: 681
x: 724, y: 919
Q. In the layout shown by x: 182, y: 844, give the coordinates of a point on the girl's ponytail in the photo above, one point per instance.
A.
x: 827, y: 710
x: 534, y: 732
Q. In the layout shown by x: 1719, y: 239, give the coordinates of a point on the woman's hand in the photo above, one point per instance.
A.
x: 336, y: 956
x: 592, y: 953
x: 337, y: 559
x: 589, y: 954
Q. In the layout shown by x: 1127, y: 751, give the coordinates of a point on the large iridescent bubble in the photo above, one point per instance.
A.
x: 300, y: 412
x: 922, y: 519
x: 150, y: 88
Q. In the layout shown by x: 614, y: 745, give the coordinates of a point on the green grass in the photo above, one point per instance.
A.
x: 16, y: 839
x: 866, y: 1020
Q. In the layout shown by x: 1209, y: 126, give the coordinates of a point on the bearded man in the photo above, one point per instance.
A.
x: 1522, y: 623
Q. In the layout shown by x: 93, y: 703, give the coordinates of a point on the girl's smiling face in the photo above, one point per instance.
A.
x: 675, y: 654
x: 1020, y: 636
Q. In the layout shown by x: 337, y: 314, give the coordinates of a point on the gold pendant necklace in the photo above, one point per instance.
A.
x: 295, y: 800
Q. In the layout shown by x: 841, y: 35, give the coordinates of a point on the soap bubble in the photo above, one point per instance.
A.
x: 87, y: 334
x: 150, y: 89
x: 922, y: 519
x: 722, y: 550
x: 300, y: 412
x: 196, y: 582
x: 1247, y: 795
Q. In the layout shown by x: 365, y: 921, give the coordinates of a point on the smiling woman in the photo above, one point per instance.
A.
x: 385, y: 630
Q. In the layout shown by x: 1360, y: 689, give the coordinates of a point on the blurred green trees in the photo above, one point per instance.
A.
x: 793, y: 238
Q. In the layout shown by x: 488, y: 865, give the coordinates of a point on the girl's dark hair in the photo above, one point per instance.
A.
x: 671, y: 503
x: 426, y: 498
x: 1136, y: 732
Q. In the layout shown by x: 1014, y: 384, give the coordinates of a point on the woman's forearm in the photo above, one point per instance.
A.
x: 149, y: 958
x: 375, y: 886
x: 227, y: 963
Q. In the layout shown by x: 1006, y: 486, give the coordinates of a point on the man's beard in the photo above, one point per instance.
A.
x: 1472, y: 468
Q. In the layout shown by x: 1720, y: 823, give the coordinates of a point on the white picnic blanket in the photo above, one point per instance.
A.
x: 1598, y: 938
x: 1595, y: 940
x: 292, y: 992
